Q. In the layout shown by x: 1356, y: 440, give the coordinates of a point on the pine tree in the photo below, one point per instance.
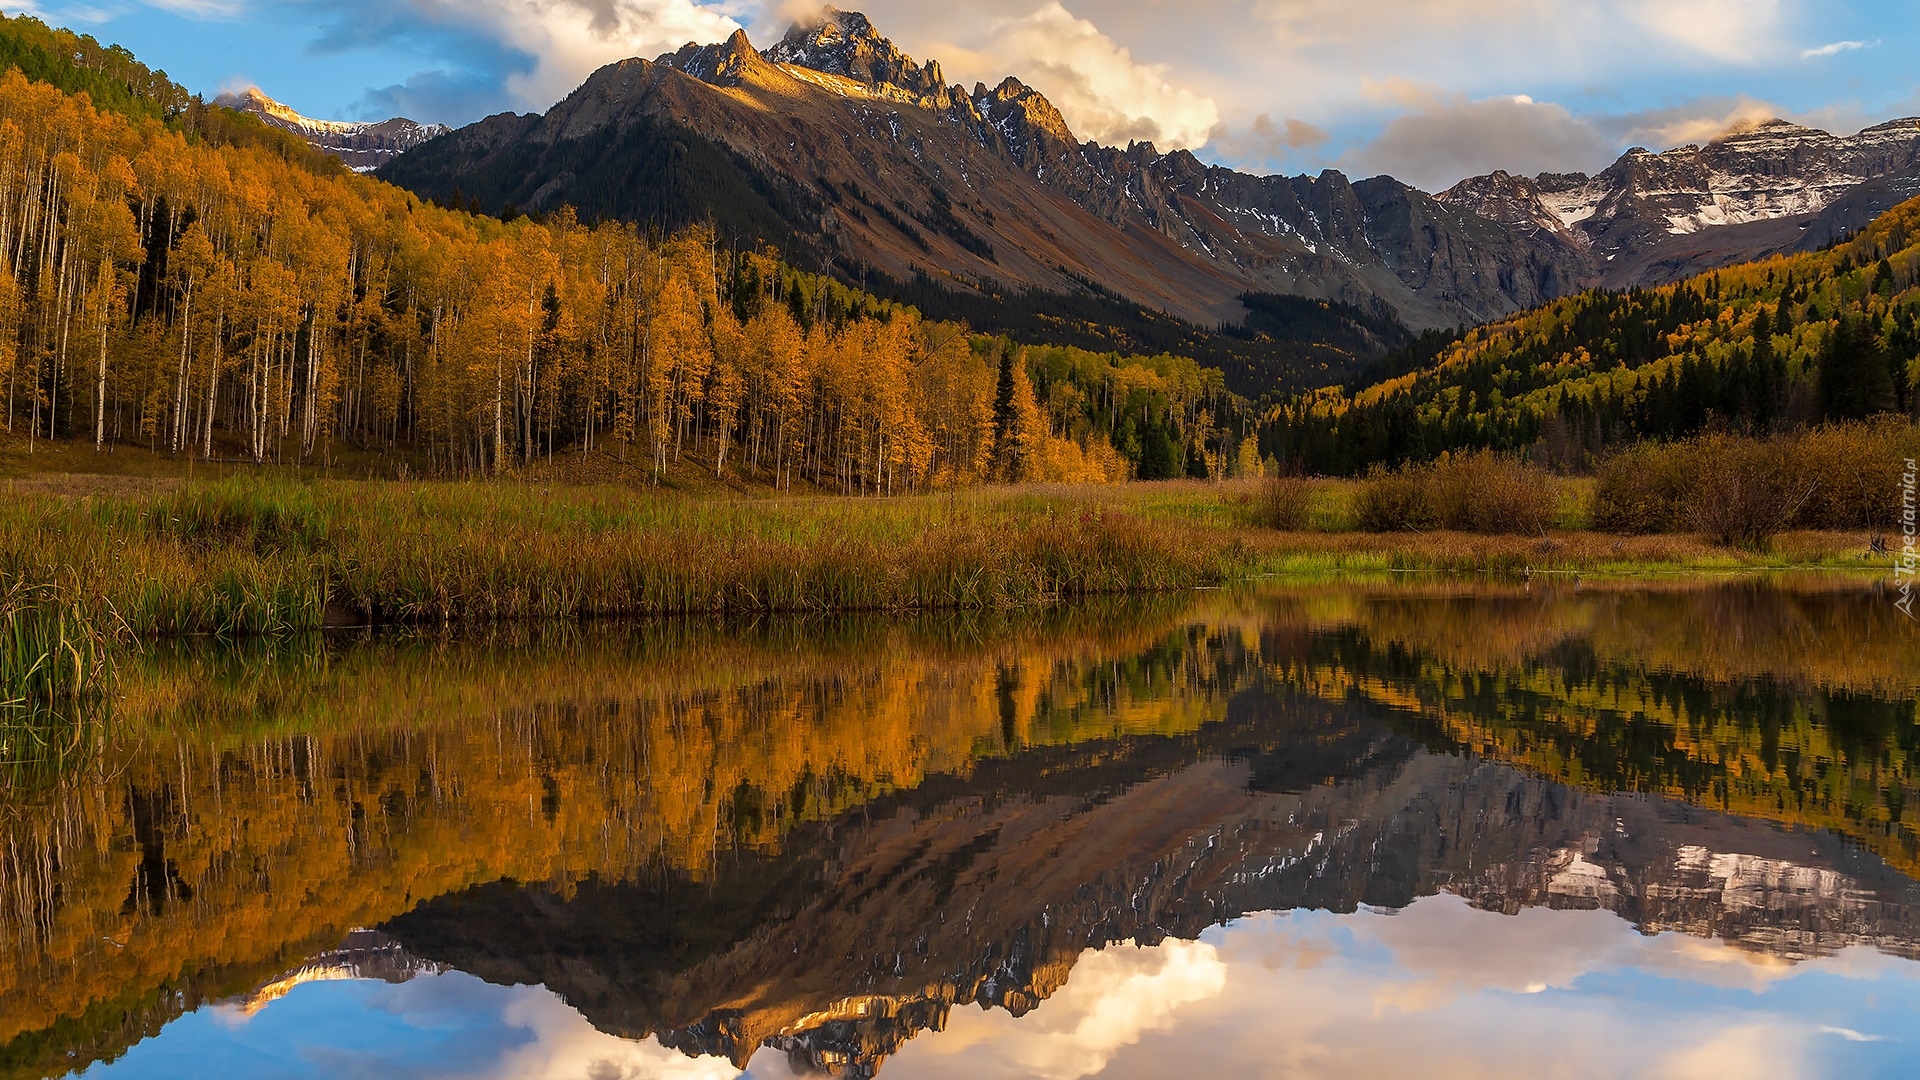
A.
x: 1854, y: 379
x: 1005, y: 420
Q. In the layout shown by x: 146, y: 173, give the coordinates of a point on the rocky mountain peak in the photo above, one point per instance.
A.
x: 1657, y: 216
x: 1016, y: 108
x: 724, y: 64
x: 845, y: 43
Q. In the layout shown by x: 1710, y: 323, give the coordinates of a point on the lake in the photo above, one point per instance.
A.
x: 1430, y: 828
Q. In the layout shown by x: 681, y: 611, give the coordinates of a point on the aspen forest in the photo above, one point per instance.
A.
x: 226, y: 303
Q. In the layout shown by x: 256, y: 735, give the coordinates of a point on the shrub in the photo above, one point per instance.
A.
x: 1744, y: 490
x: 1735, y: 490
x: 1857, y: 466
x: 1493, y: 493
x: 1284, y: 502
x: 1640, y: 490
x: 1397, y: 500
x: 1482, y: 492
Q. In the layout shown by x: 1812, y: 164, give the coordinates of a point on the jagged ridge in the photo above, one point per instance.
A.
x: 363, y: 146
x: 1654, y: 218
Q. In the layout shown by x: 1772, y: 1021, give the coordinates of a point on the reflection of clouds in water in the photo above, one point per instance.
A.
x: 566, y: 1047
x: 1448, y: 948
x: 434, y: 1026
x: 1444, y: 990
x: 1439, y: 989
x: 1111, y: 1000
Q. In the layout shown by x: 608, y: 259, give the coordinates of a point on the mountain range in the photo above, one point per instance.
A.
x: 842, y: 149
x: 364, y: 147
x: 1656, y: 218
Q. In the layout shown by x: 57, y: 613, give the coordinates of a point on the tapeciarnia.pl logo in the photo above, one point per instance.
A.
x: 1904, y: 568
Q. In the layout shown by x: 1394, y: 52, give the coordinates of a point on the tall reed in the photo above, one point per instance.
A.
x: 55, y: 664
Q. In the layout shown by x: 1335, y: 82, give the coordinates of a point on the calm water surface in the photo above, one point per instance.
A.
x: 1306, y: 832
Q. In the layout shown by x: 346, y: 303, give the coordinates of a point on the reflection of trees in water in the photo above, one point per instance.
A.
x: 1800, y: 707
x: 254, y: 806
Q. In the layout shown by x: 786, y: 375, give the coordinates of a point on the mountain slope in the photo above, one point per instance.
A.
x: 870, y: 159
x: 892, y: 169
x: 364, y: 147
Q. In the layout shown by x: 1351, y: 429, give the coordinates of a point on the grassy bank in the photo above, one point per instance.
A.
x: 89, y: 570
x: 253, y: 555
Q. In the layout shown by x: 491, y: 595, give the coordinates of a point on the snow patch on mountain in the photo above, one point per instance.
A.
x: 1762, y: 172
x: 363, y: 145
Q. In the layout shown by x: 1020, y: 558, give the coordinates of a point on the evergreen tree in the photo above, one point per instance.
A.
x: 1159, y: 453
x: 1005, y: 417
x: 1854, y: 379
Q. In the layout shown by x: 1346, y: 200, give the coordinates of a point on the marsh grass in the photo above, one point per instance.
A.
x: 250, y: 556
x: 55, y: 667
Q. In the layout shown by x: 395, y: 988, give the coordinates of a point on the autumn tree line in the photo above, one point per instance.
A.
x: 228, y: 301
x: 1764, y: 348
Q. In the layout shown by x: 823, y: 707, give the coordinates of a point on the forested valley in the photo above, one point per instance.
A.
x: 204, y: 295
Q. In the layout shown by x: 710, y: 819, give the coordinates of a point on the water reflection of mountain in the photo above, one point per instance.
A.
x: 869, y: 929
x: 1043, y: 783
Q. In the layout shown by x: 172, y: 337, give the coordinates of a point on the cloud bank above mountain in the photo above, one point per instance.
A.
x: 1430, y: 90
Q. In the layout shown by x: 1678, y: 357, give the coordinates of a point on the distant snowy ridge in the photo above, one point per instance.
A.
x: 364, y: 146
x: 1776, y: 171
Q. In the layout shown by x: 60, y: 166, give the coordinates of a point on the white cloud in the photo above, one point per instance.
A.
x: 520, y: 54
x: 1731, y: 31
x: 569, y: 39
x: 1265, y: 142
x: 200, y: 9
x: 1835, y: 48
x: 1695, y: 122
x: 1104, y: 93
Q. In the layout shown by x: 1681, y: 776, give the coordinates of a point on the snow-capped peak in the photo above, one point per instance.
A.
x: 363, y: 145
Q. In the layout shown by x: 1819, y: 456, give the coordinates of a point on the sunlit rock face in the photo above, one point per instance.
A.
x: 867, y: 157
x: 852, y: 151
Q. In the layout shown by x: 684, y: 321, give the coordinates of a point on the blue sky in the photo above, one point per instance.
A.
x: 1429, y: 90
